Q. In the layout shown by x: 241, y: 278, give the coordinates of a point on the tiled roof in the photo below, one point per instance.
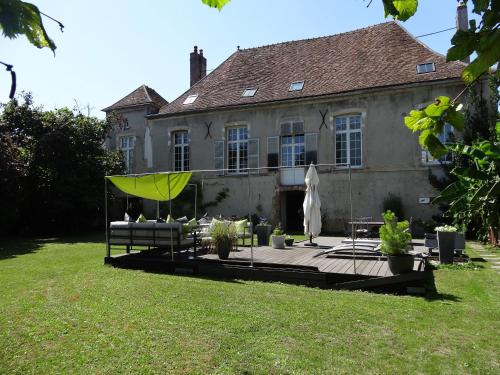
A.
x: 377, y: 56
x: 142, y: 95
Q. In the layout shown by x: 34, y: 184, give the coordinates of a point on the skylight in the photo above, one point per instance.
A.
x: 190, y: 99
x: 296, y: 86
x: 426, y: 68
x: 249, y: 92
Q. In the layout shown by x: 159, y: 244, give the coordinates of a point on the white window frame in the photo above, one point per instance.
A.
x: 239, y: 169
x: 348, y: 132
x: 428, y: 159
x: 293, y: 145
x: 296, y: 86
x: 426, y: 68
x: 182, y: 150
x: 249, y: 92
x: 128, y: 151
x: 190, y: 99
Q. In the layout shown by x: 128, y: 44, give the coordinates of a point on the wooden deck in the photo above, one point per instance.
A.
x: 298, y: 265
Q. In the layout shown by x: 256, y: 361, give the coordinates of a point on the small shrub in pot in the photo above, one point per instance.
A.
x: 396, y: 238
x: 278, y: 238
x: 224, y: 237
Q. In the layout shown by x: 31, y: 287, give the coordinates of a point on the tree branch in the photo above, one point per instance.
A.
x: 13, y: 79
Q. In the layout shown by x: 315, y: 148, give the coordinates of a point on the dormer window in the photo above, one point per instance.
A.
x: 296, y: 86
x: 249, y: 92
x: 190, y: 99
x: 426, y: 68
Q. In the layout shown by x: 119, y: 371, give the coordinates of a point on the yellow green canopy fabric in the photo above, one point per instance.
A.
x: 153, y: 186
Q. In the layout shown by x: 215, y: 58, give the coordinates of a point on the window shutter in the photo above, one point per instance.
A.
x: 272, y: 152
x: 253, y: 155
x: 311, y: 146
x: 219, y: 155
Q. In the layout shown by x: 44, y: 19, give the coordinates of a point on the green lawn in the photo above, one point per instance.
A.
x: 62, y: 311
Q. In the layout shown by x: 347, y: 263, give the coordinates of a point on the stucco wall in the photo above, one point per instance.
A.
x: 391, y: 156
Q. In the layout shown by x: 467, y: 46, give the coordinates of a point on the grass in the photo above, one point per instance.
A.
x: 62, y: 311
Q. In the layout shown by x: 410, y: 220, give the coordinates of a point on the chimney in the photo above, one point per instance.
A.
x: 198, y: 65
x: 462, y: 20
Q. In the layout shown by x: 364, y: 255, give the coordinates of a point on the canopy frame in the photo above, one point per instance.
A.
x: 345, y: 166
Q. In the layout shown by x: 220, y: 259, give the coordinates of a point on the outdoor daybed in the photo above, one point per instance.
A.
x: 150, y: 234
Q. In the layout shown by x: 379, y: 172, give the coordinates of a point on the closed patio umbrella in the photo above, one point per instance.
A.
x: 312, y: 206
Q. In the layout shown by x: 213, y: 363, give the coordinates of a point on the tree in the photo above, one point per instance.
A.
x: 63, y: 161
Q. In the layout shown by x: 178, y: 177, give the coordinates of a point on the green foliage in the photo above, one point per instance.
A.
x: 395, y: 236
x: 21, y: 18
x: 430, y: 123
x: 62, y: 163
x: 219, y: 4
x: 223, y: 234
x: 221, y: 195
x: 483, y: 40
x: 394, y: 203
x: 474, y: 196
x: 277, y: 231
x: 400, y: 9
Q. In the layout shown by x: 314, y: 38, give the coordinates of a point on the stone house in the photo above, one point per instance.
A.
x: 337, y: 100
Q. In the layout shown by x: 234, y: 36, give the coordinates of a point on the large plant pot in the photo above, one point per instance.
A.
x: 263, y: 233
x: 223, y: 249
x: 459, y: 241
x: 278, y: 242
x: 446, y: 244
x: 400, y: 263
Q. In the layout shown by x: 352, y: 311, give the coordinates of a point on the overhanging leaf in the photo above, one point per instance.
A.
x: 21, y: 18
x: 455, y: 118
x: 437, y: 109
x: 470, y: 173
x: 434, y: 145
x: 219, y: 4
x: 400, y: 9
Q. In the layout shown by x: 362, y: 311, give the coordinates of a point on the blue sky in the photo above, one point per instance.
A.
x: 109, y: 48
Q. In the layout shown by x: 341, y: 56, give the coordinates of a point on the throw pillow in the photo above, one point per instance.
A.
x: 241, y: 225
x: 141, y: 219
x: 193, y: 223
x: 170, y: 219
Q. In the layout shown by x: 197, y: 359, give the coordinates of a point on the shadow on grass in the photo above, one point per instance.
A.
x: 432, y: 293
x: 12, y: 247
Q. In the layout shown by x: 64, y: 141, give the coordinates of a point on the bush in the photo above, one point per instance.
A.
x: 395, y: 236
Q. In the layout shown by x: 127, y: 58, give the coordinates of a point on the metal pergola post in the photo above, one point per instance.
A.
x: 170, y: 213
x: 352, y: 221
x: 250, y: 221
x: 203, y: 172
x: 108, y: 248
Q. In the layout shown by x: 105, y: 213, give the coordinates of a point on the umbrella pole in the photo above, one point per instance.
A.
x: 352, y: 220
x: 170, y: 212
x: 157, y: 209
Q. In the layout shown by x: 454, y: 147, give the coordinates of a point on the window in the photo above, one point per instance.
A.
x: 446, y: 137
x: 190, y: 99
x: 249, y: 92
x: 348, y: 140
x: 426, y: 68
x: 127, y: 145
x: 181, y: 151
x: 293, y: 151
x: 296, y: 86
x: 237, y: 149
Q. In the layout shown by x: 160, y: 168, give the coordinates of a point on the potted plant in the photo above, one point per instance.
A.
x: 446, y: 236
x: 263, y: 230
x: 289, y: 240
x: 278, y: 238
x: 396, y: 238
x: 224, y: 237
